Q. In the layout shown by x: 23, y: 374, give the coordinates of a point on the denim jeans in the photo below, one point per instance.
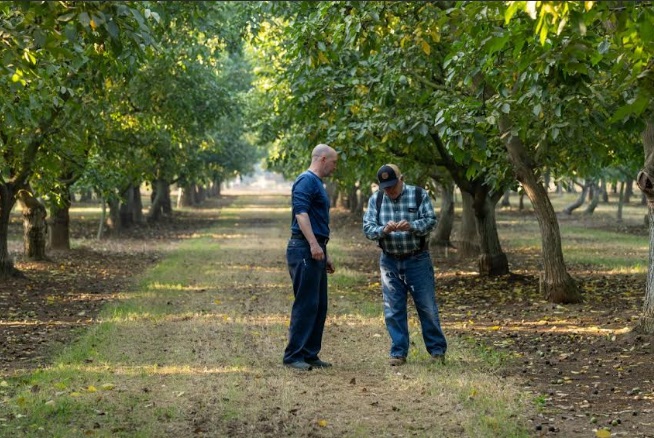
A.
x: 309, y: 310
x: 414, y: 275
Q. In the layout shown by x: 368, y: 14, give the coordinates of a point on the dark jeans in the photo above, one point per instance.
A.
x: 309, y: 310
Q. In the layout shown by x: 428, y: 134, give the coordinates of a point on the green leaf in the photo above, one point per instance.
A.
x: 537, y: 109
x: 510, y: 11
x: 84, y: 19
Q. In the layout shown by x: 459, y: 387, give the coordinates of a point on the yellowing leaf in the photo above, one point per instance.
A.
x: 435, y: 34
x: 603, y: 433
x: 216, y: 301
x: 75, y: 394
x: 92, y: 388
x: 108, y: 386
x: 426, y: 47
x: 495, y: 328
x: 588, y: 5
x: 322, y: 423
x: 322, y: 58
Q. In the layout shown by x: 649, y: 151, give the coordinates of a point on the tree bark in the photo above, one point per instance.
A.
x: 187, y: 198
x: 35, y: 227
x: 645, y: 181
x: 556, y: 285
x: 468, y: 241
x: 620, y: 201
x: 578, y: 202
x: 60, y: 224
x: 440, y: 238
x: 7, y: 201
x: 137, y: 205
x: 161, y: 204
x: 492, y: 260
x: 594, y: 194
x: 506, y: 199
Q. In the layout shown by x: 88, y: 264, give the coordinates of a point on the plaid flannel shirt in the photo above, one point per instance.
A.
x: 422, y: 220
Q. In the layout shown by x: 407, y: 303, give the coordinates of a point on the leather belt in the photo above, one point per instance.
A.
x: 320, y: 239
x: 405, y: 256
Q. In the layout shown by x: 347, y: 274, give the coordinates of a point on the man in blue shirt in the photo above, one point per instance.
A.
x: 308, y: 262
x: 401, y: 221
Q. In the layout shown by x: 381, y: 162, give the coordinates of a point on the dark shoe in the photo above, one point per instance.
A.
x: 299, y: 365
x: 438, y: 358
x: 397, y: 361
x: 319, y: 363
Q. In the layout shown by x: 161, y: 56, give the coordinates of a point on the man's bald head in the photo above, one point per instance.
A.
x: 323, y: 160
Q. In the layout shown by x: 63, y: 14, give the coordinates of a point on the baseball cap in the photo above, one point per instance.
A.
x: 388, y: 175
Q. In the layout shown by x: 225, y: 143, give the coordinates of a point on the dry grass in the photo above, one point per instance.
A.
x: 197, y: 352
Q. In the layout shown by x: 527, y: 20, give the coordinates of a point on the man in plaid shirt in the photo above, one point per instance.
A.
x: 401, y: 222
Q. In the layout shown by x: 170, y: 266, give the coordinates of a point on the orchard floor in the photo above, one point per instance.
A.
x: 585, y: 368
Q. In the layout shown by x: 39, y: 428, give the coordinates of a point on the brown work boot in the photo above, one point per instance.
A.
x: 396, y: 361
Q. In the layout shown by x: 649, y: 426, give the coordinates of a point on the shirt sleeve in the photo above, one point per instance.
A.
x: 426, y: 217
x: 372, y: 229
x: 302, y: 197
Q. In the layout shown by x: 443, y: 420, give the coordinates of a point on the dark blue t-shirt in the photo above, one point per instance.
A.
x: 308, y: 195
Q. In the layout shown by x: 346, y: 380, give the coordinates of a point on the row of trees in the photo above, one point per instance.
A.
x: 111, y: 95
x: 479, y: 95
x: 483, y: 96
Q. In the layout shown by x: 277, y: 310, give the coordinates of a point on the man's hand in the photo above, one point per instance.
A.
x: 330, y: 266
x: 390, y: 227
x: 403, y: 225
x: 316, y: 252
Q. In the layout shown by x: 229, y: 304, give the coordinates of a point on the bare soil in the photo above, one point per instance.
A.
x: 584, y: 366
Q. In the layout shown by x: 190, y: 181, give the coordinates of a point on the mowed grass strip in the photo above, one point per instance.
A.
x: 196, y: 351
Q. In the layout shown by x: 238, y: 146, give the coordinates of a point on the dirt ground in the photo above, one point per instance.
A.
x: 584, y: 367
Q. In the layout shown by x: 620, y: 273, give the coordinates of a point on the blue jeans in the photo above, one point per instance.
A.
x: 309, y: 310
x: 414, y: 275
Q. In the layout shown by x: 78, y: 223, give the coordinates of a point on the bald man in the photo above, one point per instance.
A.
x: 308, y: 261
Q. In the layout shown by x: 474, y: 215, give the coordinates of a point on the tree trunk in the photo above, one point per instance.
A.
x: 645, y: 181
x: 594, y: 195
x: 161, y: 201
x: 604, y: 191
x: 60, y: 224
x: 629, y: 191
x: 7, y: 202
x: 556, y: 285
x: 468, y: 241
x: 137, y: 205
x: 506, y: 199
x: 621, y: 201
x: 354, y: 198
x: 492, y: 260
x: 578, y: 202
x: 186, y: 200
x: 35, y: 227
x: 114, y: 215
x: 440, y: 238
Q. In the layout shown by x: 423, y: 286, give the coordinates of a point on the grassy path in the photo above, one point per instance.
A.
x: 196, y: 351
